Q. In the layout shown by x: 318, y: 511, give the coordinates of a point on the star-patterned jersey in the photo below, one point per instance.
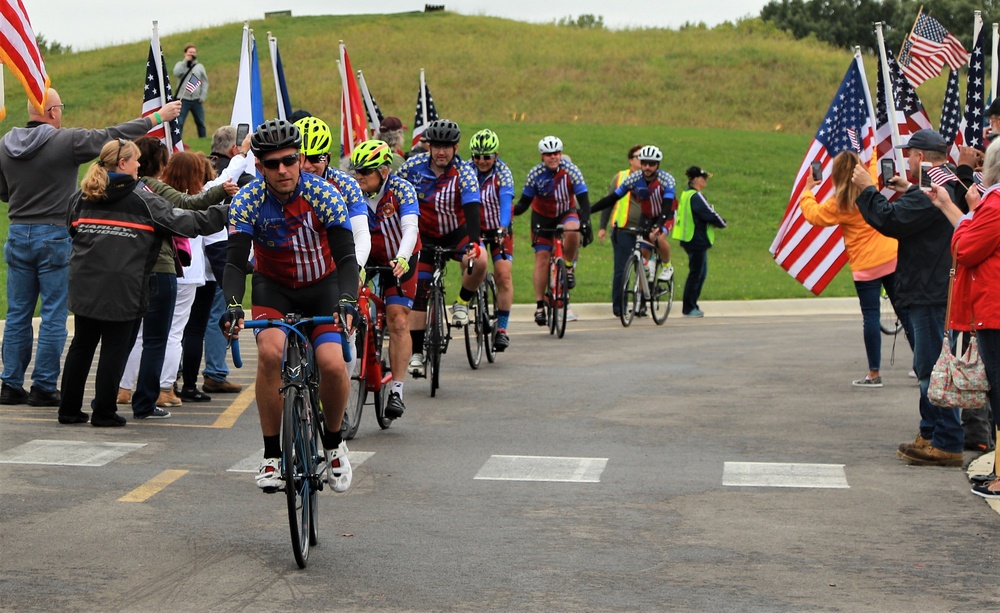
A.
x: 651, y: 195
x: 289, y: 240
x: 348, y: 187
x: 441, y: 198
x: 496, y: 195
x: 553, y: 193
x: 385, y: 212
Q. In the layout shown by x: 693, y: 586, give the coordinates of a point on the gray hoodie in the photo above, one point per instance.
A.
x: 39, y: 165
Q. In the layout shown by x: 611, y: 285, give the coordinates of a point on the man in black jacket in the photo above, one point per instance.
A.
x: 922, y: 269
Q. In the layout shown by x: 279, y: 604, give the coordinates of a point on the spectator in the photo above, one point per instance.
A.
x: 391, y: 131
x: 192, y: 89
x: 39, y: 164
x: 695, y: 228
x: 624, y: 215
x: 116, y: 225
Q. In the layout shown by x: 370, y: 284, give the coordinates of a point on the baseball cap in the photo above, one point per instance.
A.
x: 926, y: 140
x: 993, y: 108
x: 391, y: 123
x: 697, y: 171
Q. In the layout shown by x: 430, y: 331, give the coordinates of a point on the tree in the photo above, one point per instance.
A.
x: 51, y: 48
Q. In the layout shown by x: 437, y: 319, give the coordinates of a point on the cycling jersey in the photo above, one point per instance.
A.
x: 357, y: 207
x: 290, y: 239
x: 650, y: 194
x: 496, y: 195
x: 392, y: 219
x: 553, y: 193
x: 442, y: 199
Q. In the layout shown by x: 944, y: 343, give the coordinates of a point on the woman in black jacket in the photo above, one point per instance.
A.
x: 117, y: 225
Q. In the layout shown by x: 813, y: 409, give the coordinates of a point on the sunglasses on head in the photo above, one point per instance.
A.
x: 483, y: 156
x: 316, y: 159
x: 274, y: 163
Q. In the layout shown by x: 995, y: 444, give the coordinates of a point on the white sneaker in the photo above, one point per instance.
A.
x: 571, y: 316
x: 269, y: 475
x: 459, y: 314
x: 416, y: 366
x: 667, y: 273
x: 338, y: 468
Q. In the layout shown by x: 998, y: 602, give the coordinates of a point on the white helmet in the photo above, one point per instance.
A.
x: 649, y: 153
x: 549, y: 144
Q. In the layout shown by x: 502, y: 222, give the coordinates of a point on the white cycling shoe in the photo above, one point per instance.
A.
x: 269, y: 475
x: 338, y: 468
x: 416, y: 365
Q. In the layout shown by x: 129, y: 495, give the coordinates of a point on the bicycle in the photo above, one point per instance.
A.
x: 302, y: 463
x: 371, y: 373
x: 438, y: 329
x: 480, y: 334
x: 640, y: 290
x: 557, y: 285
x: 889, y: 322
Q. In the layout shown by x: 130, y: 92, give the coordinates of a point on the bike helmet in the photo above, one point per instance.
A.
x: 275, y: 134
x: 316, y: 136
x: 550, y: 144
x: 484, y: 141
x: 443, y: 131
x: 370, y: 155
x: 649, y: 153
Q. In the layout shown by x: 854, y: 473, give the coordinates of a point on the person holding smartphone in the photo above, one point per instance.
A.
x: 922, y: 269
x: 871, y: 256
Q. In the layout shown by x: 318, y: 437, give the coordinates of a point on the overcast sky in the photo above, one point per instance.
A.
x: 88, y: 24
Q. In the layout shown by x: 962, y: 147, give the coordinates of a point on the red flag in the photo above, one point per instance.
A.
x: 353, y: 122
x: 19, y: 52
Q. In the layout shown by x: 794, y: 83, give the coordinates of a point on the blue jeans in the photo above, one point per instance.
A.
x: 155, y: 330
x: 622, y: 243
x: 942, y: 426
x: 697, y: 272
x: 37, y: 257
x: 197, y: 111
x: 989, y: 350
x: 870, y: 297
x: 215, y: 343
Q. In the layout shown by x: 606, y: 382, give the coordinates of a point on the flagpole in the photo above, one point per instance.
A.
x: 993, y: 70
x: 345, y: 98
x: 423, y: 99
x: 868, y: 98
x: 158, y: 59
x: 890, y: 103
x: 915, y: 21
x: 369, y: 104
x: 272, y: 48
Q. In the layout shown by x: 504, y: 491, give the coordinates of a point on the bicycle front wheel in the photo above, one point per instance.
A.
x: 662, y: 296
x: 295, y: 470
x: 358, y: 392
x: 629, y: 301
x: 474, y: 333
x: 434, y: 339
x: 561, y: 299
x: 382, y: 397
x: 489, y: 314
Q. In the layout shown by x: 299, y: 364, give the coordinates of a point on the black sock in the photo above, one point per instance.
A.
x: 331, y: 440
x: 417, y: 337
x: 272, y: 446
x: 540, y: 304
x: 465, y: 295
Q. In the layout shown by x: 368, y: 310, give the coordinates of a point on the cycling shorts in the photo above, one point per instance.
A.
x: 541, y: 239
x: 496, y: 254
x: 272, y: 300
x: 407, y: 283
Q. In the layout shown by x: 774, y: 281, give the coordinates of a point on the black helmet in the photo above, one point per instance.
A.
x: 442, y: 131
x: 275, y: 134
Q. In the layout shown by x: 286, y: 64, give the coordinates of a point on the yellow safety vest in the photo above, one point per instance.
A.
x: 619, y: 215
x: 684, y: 223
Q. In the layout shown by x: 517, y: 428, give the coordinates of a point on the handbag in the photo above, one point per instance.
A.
x: 958, y: 382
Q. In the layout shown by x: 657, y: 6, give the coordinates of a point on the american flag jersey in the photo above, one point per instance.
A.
x: 441, y: 198
x: 553, y: 193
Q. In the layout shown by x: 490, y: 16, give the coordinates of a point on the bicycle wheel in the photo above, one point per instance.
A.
x: 382, y: 397
x: 474, y: 332
x: 489, y: 314
x: 629, y: 301
x: 889, y: 321
x: 294, y: 469
x: 315, y: 452
x: 561, y: 299
x: 550, y: 297
x: 440, y: 339
x: 662, y: 296
x: 358, y: 392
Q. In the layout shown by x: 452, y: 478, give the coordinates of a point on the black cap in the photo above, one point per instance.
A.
x: 926, y: 140
x: 993, y: 108
x: 697, y: 171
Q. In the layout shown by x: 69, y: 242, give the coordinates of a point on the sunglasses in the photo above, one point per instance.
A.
x: 648, y: 163
x: 274, y: 163
x: 483, y: 156
x: 316, y: 159
x: 364, y: 172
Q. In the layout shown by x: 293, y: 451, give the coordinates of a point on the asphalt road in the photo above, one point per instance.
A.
x: 643, y: 431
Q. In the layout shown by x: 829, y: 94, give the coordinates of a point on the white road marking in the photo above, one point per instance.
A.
x: 767, y: 474
x: 542, y: 468
x: 67, y: 453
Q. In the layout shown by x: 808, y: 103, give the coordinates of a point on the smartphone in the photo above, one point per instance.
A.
x: 241, y: 133
x: 817, y: 171
x: 925, y: 178
x: 888, y: 172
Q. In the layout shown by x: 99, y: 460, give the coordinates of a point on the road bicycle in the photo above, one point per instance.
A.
x: 642, y: 288
x: 371, y: 373
x: 557, y: 285
x: 888, y: 320
x: 480, y: 334
x: 437, y: 333
x: 303, y: 463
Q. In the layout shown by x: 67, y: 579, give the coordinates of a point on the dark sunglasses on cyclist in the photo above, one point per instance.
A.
x: 364, y: 172
x: 483, y: 156
x: 275, y: 163
x: 316, y: 159
x: 648, y: 163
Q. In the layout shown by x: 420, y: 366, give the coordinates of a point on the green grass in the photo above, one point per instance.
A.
x: 741, y: 101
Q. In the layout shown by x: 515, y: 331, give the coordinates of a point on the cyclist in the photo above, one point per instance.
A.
x: 653, y: 190
x: 298, y: 226
x: 557, y: 194
x: 448, y: 194
x: 393, y: 215
x: 496, y: 194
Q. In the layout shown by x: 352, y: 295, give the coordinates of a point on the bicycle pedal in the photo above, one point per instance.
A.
x: 272, y: 490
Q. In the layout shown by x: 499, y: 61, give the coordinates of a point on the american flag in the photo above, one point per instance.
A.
x: 975, y: 91
x: 153, y: 97
x: 910, y: 114
x: 814, y: 255
x: 852, y: 135
x: 940, y: 175
x: 951, y: 117
x: 928, y: 49
x: 193, y: 84
x: 423, y: 116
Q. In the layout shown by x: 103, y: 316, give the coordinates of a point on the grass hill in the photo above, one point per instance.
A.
x: 743, y: 101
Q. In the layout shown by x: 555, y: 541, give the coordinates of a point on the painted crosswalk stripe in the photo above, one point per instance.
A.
x: 542, y: 468
x: 770, y: 474
x: 67, y: 453
x: 152, y: 487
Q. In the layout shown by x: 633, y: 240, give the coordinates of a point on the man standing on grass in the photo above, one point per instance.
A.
x: 39, y: 164
x: 192, y: 88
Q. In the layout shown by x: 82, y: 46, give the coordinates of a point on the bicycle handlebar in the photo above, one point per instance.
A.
x: 371, y: 270
x: 291, y: 324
